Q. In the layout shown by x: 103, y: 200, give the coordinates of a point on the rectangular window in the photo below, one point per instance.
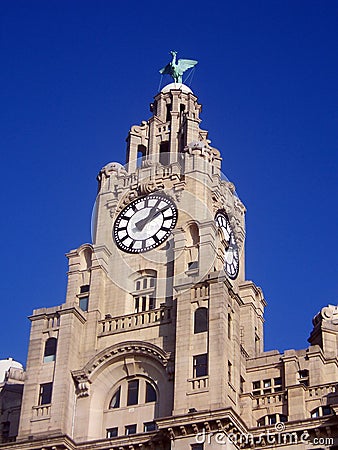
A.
x: 137, y: 304
x: 278, y: 381
x: 272, y: 419
x: 152, y: 303
x: 200, y: 365
x: 149, y: 426
x: 256, y: 385
x: 267, y: 383
x: 304, y: 377
x: 45, y: 393
x: 83, y: 303
x: 112, y: 432
x: 144, y: 303
x: 84, y: 288
x: 130, y: 429
x: 197, y: 447
x: 326, y: 410
x: 133, y: 387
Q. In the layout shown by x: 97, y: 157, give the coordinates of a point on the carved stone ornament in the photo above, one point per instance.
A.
x: 123, y: 349
x: 140, y: 129
x: 112, y: 169
x: 328, y: 314
x: 128, y: 198
x: 149, y: 186
x: 82, y: 383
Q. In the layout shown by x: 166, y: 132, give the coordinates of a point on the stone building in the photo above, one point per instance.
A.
x: 11, y: 387
x: 159, y: 344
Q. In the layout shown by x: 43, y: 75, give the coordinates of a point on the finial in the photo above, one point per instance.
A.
x: 177, y: 69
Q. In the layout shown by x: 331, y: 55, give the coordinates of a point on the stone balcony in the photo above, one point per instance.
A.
x: 272, y: 399
x: 198, y: 384
x: 41, y: 412
x: 129, y: 322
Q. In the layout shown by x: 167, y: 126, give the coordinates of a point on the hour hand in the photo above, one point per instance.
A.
x: 154, y: 212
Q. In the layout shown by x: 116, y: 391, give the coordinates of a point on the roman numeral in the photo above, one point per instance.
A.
x: 131, y: 245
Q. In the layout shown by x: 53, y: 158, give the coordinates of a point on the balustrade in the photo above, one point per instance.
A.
x: 136, y: 320
x: 275, y: 398
x: 41, y: 412
x: 199, y: 383
x: 321, y: 390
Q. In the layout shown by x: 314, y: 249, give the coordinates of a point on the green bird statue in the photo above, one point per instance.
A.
x: 177, y: 69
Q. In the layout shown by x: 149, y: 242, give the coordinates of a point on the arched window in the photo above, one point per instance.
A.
x: 201, y: 320
x: 321, y: 411
x: 137, y: 391
x: 50, y: 350
x: 271, y: 419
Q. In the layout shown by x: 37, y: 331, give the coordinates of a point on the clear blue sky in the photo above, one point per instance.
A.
x: 75, y: 75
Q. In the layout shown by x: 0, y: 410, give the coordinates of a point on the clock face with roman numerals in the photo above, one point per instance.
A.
x: 145, y: 223
x: 231, y: 255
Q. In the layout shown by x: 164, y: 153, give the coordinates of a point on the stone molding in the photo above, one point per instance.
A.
x: 121, y: 349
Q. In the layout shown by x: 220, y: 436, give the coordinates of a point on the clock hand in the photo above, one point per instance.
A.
x: 141, y: 223
x: 153, y: 213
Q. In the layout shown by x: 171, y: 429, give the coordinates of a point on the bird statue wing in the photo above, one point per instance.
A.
x: 185, y: 64
x: 167, y: 70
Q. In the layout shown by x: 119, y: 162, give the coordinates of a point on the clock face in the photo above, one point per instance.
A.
x: 145, y: 223
x: 231, y: 254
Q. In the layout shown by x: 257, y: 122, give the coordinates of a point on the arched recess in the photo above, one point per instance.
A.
x: 141, y: 154
x: 85, y: 253
x: 200, y: 320
x: 116, y: 366
x: 49, y: 354
x: 192, y: 246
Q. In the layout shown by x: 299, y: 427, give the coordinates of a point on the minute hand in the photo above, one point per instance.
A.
x: 154, y: 212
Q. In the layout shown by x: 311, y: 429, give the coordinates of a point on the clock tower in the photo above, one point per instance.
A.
x: 160, y: 339
x: 153, y: 323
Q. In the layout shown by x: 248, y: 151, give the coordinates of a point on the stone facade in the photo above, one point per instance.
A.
x: 162, y: 349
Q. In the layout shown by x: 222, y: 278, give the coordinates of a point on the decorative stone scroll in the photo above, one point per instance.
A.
x: 328, y: 314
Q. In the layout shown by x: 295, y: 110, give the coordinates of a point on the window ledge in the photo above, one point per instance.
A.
x: 192, y: 272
